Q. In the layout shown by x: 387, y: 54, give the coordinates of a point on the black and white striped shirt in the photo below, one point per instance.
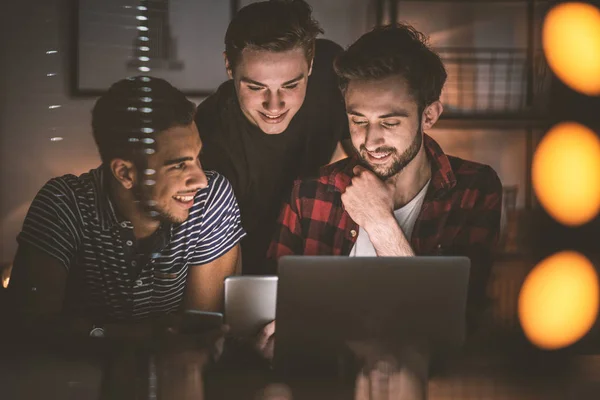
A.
x: 73, y: 220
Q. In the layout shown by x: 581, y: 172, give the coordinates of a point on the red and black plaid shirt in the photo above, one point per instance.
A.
x: 460, y: 215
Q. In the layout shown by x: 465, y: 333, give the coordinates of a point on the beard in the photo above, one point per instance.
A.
x: 398, y: 162
x: 142, y: 196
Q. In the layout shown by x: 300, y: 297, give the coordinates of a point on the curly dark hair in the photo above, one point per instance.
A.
x: 397, y: 49
x: 125, y: 118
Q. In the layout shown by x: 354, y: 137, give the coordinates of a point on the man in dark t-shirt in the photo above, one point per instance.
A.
x: 280, y: 116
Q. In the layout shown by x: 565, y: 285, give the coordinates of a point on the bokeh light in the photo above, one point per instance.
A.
x: 566, y: 173
x: 558, y: 303
x: 571, y: 41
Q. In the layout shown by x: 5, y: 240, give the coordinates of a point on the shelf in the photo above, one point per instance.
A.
x: 493, y: 121
x: 494, y: 84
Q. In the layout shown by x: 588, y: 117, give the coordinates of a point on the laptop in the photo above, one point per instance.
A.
x: 325, y: 301
x: 249, y: 303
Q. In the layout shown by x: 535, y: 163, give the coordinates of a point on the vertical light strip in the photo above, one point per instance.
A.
x: 53, y: 107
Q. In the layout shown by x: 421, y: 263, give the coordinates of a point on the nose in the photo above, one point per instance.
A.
x: 374, y: 137
x: 273, y: 101
x: 197, y: 178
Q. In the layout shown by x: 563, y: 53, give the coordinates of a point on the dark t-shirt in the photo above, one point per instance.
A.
x: 262, y: 167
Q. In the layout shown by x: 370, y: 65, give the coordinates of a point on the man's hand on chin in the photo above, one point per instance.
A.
x: 367, y: 199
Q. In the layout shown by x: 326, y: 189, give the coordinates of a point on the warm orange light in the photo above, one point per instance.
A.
x: 558, y: 303
x: 566, y: 173
x: 571, y: 41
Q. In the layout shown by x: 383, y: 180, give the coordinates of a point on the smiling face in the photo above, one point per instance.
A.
x: 173, y: 176
x: 385, y: 124
x: 271, y: 86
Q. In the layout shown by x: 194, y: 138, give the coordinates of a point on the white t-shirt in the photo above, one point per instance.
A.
x: 406, y: 217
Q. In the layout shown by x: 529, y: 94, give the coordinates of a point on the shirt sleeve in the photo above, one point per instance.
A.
x: 52, y: 222
x: 288, y: 238
x: 478, y: 240
x: 221, y: 227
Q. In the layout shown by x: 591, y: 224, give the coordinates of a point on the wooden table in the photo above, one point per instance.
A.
x: 497, y: 368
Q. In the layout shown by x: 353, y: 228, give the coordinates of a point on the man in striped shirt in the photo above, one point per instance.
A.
x: 148, y: 233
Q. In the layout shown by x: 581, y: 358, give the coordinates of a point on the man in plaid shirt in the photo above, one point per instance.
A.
x: 399, y: 194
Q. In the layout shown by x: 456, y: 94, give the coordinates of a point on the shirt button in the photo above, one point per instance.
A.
x: 129, y: 243
x: 133, y: 263
x: 353, y: 233
x: 139, y: 282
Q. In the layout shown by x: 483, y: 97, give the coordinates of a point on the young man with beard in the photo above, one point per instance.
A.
x: 148, y: 233
x: 399, y: 194
x: 278, y: 118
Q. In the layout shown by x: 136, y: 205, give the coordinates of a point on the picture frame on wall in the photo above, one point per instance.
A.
x: 181, y: 41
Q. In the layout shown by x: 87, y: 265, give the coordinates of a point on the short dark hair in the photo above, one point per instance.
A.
x: 125, y: 118
x: 275, y: 25
x: 397, y: 49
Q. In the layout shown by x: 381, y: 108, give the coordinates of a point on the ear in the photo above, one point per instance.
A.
x: 124, y: 172
x: 227, y: 66
x: 431, y: 114
x: 310, y: 66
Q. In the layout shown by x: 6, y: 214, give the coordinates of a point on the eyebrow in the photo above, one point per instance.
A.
x: 177, y: 160
x: 253, y: 82
x: 399, y: 113
x: 182, y: 159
